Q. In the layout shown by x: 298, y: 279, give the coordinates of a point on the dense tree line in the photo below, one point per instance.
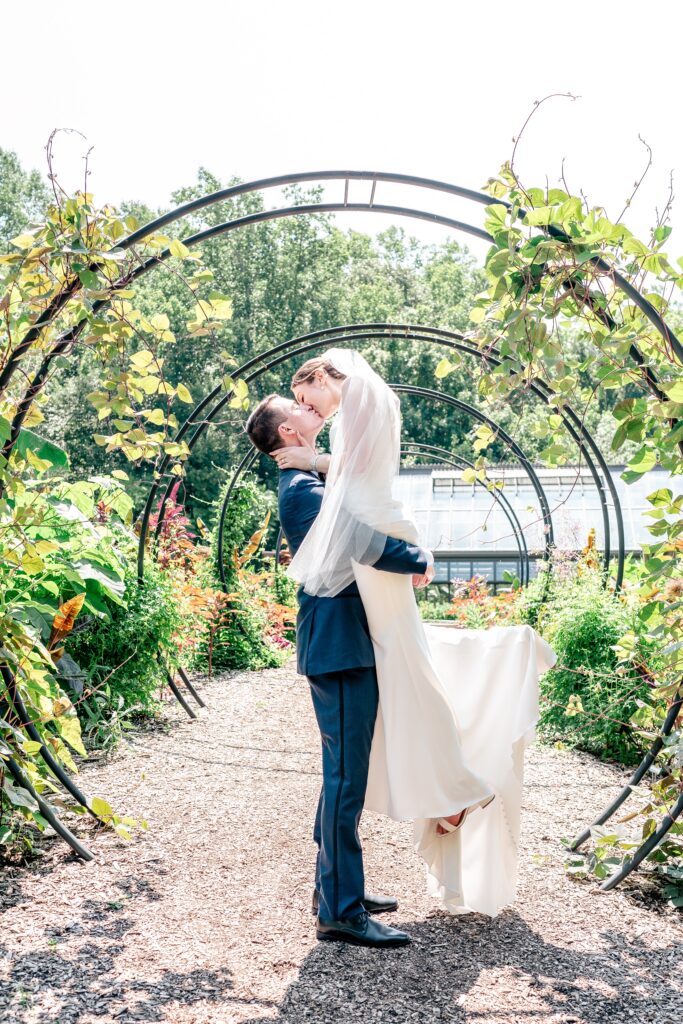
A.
x: 286, y: 278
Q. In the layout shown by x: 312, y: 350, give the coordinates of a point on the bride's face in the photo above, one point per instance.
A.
x: 322, y: 393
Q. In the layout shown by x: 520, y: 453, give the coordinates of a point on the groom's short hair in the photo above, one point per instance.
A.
x: 262, y: 425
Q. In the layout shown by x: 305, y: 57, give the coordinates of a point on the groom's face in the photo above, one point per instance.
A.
x: 300, y: 417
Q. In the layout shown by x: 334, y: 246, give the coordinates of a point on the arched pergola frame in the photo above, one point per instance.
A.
x: 65, y: 343
x: 204, y: 413
x: 435, y: 453
x: 411, y: 448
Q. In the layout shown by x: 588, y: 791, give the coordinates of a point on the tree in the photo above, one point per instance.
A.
x: 23, y: 197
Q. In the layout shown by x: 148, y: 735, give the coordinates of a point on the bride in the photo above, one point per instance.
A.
x: 456, y: 707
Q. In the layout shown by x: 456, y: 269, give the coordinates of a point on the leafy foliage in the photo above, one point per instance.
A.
x: 23, y: 197
x: 253, y: 631
x: 61, y: 539
x: 120, y: 655
x: 554, y: 262
x: 589, y: 698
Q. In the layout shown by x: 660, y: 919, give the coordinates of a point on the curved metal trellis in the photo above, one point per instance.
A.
x: 250, y: 371
x: 65, y: 342
x: 412, y: 448
x: 636, y: 778
x: 16, y: 703
x: 459, y: 462
x: 293, y: 348
x: 47, y: 811
x: 245, y: 464
x: 21, y: 779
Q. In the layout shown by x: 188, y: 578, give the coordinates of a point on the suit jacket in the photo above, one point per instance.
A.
x: 332, y: 633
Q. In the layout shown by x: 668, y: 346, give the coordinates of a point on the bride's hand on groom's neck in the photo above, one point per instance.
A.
x: 301, y: 456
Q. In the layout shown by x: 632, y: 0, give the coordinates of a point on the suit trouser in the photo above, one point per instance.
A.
x: 345, y: 706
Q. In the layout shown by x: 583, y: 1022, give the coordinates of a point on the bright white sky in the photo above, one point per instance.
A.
x: 436, y: 88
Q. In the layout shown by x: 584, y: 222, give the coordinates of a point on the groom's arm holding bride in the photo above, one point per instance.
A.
x: 398, y: 555
x: 299, y: 510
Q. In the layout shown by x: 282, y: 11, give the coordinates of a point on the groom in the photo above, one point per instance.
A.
x: 335, y: 652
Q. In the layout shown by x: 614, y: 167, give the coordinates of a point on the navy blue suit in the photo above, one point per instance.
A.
x: 334, y: 650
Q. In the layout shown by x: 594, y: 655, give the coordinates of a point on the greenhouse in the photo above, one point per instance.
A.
x: 470, y: 534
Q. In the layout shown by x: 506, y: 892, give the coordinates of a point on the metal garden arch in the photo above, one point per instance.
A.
x: 205, y: 411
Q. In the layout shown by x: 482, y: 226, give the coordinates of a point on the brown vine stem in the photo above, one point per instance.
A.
x: 517, y: 138
x: 663, y: 217
x: 639, y: 182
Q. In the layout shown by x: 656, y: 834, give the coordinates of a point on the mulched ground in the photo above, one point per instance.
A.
x: 205, y: 918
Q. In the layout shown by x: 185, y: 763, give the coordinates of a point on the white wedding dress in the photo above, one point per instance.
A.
x: 457, y: 707
x: 452, y: 702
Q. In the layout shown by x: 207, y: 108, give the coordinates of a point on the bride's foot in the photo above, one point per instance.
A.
x: 453, y: 822
x: 453, y: 819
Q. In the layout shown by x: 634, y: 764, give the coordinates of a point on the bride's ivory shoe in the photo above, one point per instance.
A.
x: 450, y: 827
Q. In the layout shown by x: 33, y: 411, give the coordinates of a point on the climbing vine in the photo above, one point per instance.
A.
x: 65, y: 293
x: 559, y: 272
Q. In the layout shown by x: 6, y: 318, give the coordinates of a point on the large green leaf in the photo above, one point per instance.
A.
x: 44, y: 449
x: 114, y: 587
x: 18, y: 796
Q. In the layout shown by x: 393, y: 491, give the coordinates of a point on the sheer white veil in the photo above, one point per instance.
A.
x: 358, y: 508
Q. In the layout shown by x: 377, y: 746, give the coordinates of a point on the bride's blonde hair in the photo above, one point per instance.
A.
x: 308, y: 370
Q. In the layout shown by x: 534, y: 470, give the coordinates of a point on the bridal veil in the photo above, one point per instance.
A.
x: 358, y: 508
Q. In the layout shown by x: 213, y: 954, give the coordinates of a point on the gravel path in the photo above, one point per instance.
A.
x: 205, y: 918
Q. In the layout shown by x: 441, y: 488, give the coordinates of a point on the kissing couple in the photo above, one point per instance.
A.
x: 418, y: 722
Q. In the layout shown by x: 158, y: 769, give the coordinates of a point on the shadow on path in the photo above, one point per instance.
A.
x: 529, y: 980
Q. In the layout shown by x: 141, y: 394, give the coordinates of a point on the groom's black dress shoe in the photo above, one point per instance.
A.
x: 361, y: 930
x: 373, y: 904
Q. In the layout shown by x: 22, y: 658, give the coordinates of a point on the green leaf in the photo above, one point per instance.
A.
x: 496, y: 220
x: 156, y: 416
x: 70, y: 730
x: 644, y: 460
x: 674, y: 391
x: 221, y: 309
x: 31, y: 747
x: 662, y: 496
x: 100, y: 807
x: 177, y: 248
x: 88, y: 571
x: 89, y: 279
x: 541, y: 216
x: 619, y: 436
x: 24, y: 241
x: 160, y: 322
x: 42, y: 448
x: 241, y: 389
x: 662, y: 233
x: 141, y: 360
x: 19, y: 797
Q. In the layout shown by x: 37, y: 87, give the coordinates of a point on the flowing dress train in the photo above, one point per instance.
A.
x: 457, y: 708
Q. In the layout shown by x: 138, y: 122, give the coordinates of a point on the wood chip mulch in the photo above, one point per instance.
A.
x: 205, y: 918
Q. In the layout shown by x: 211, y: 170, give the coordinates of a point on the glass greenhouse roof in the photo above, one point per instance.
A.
x: 457, y: 517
